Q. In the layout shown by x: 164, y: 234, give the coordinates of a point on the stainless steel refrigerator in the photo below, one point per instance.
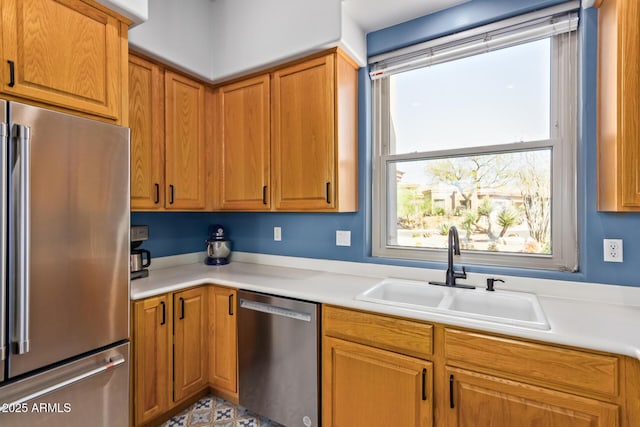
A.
x: 64, y: 270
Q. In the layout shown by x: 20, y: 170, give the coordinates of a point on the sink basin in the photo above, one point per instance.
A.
x: 404, y: 293
x: 512, y: 308
x: 516, y: 308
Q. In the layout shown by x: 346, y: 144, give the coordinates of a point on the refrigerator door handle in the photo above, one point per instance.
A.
x: 112, y: 363
x: 3, y: 240
x: 23, y: 195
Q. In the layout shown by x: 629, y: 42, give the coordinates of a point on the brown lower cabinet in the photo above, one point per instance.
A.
x: 366, y: 386
x: 372, y: 377
x: 380, y: 370
x: 477, y: 399
x: 151, y: 335
x: 190, y: 342
x: 175, y: 336
x: 223, y: 358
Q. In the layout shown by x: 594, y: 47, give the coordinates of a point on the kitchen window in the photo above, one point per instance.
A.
x: 478, y: 131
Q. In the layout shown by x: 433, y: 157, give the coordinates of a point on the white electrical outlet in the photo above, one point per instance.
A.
x: 612, y: 250
x: 343, y: 238
x: 277, y: 234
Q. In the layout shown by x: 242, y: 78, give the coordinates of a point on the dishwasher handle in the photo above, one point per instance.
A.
x: 275, y: 310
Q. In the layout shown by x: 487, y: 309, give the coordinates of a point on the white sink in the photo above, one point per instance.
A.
x: 404, y: 293
x: 513, y: 308
x: 516, y: 308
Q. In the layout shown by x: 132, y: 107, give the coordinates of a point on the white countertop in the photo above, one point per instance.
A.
x: 592, y: 316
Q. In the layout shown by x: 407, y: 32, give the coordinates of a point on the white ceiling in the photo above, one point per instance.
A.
x: 373, y: 15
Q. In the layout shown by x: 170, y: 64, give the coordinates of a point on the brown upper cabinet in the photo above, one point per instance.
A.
x: 618, y: 105
x: 184, y: 143
x: 166, y: 115
x: 242, y: 136
x: 69, y: 54
x: 287, y: 140
x: 146, y: 118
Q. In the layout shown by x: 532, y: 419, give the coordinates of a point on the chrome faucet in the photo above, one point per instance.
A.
x: 452, y: 275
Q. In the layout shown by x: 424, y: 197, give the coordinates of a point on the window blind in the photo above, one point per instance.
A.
x: 525, y: 28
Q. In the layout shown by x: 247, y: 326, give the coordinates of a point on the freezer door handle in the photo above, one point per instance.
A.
x: 112, y: 363
x: 22, y: 193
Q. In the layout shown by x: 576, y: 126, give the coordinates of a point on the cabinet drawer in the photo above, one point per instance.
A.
x: 574, y: 369
x: 402, y: 336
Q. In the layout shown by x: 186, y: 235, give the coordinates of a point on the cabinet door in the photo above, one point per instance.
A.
x: 482, y: 400
x: 64, y: 52
x: 151, y: 358
x: 303, y: 136
x: 618, y: 106
x: 223, y: 348
x: 184, y: 143
x: 146, y: 119
x: 190, y: 342
x: 243, y: 141
x: 365, y: 386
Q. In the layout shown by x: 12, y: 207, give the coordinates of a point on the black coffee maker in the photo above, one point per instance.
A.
x: 137, y: 262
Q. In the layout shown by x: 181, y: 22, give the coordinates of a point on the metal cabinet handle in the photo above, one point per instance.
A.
x: 157, y: 199
x: 328, y: 193
x: 451, y: 402
x: 171, y: 194
x: 424, y: 384
x: 164, y: 314
x: 113, y: 362
x: 23, y: 189
x: 12, y: 74
x: 231, y: 305
x: 264, y: 195
x: 181, y: 308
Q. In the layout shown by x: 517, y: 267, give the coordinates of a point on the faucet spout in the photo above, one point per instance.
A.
x: 453, y: 249
x: 452, y: 274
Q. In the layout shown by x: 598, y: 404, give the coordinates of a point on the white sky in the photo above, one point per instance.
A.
x: 494, y: 98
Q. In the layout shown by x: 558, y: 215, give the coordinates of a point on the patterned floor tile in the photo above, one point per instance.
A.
x: 177, y: 421
x: 213, y: 411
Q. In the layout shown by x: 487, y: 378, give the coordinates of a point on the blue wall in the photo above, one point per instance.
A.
x: 313, y: 235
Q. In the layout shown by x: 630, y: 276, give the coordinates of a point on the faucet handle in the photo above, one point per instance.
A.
x: 462, y: 275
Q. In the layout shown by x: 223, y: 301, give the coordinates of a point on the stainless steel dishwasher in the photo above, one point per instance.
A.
x: 278, y: 354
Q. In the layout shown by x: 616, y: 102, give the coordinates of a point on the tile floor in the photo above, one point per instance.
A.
x: 213, y: 411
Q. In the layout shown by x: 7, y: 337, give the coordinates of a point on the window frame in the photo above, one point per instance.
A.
x: 563, y: 144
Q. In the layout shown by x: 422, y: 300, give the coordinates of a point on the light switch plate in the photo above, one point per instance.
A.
x: 277, y: 234
x: 343, y: 238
